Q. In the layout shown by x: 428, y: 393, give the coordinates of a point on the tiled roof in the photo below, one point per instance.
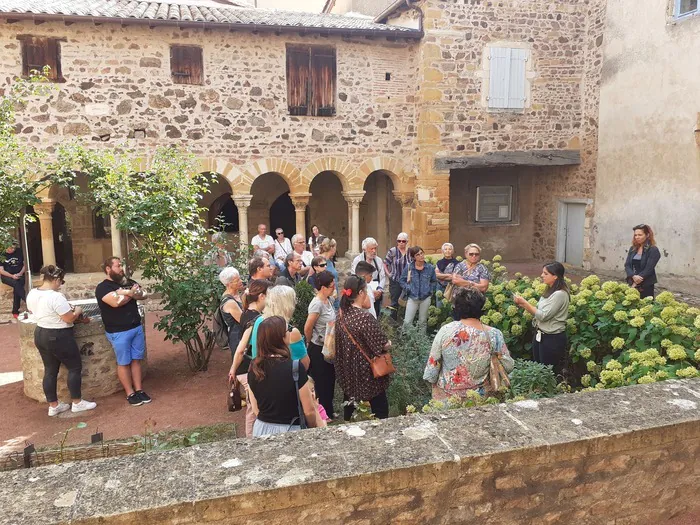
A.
x: 207, y: 12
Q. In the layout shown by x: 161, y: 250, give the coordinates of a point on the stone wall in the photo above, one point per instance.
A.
x: 627, y: 456
x: 649, y: 163
x: 564, y: 39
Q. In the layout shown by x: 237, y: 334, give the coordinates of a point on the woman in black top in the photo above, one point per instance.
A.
x: 318, y: 265
x: 273, y: 390
x: 642, y: 258
x: 231, y: 305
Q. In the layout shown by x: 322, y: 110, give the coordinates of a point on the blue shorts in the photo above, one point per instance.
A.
x: 128, y: 345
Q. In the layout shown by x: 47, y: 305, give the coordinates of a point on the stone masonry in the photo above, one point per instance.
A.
x: 627, y: 456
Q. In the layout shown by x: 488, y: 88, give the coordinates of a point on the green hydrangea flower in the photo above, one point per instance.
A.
x: 696, y: 323
x: 690, y: 371
x: 612, y: 378
x: 609, y: 306
x: 496, y: 317
x: 697, y: 355
x: 581, y: 302
x: 657, y: 321
x: 499, y: 298
x: 637, y: 322
x: 620, y: 316
x: 676, y: 353
x: 518, y: 275
x: 512, y: 310
x: 683, y: 331
x: 488, y: 304
x: 661, y: 375
x: 665, y: 298
x: 591, y: 366
x: 610, y: 286
x: 613, y: 365
x: 665, y: 343
x: 692, y: 311
x: 617, y: 343
x: 626, y: 303
x: 586, y: 380
x: 497, y: 258
x: 645, y: 380
x: 590, y: 281
x: 532, y: 301
x: 585, y: 353
x: 601, y: 295
x: 485, y: 319
x: 516, y: 329
x: 668, y: 313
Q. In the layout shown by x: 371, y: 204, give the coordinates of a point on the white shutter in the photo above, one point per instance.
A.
x: 499, y: 78
x: 516, y: 88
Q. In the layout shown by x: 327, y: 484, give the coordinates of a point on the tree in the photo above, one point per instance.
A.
x: 159, y: 209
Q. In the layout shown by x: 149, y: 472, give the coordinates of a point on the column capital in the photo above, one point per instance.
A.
x: 242, y: 200
x: 45, y: 208
x: 404, y: 197
x: 300, y: 200
x: 353, y: 197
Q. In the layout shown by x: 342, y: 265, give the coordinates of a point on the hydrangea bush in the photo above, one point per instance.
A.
x: 615, y: 337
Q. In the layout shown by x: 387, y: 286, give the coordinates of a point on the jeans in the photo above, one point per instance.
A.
x: 57, y: 346
x: 323, y: 374
x: 551, y: 350
x: 379, y: 405
x: 422, y: 307
x: 395, y: 293
x: 18, y: 293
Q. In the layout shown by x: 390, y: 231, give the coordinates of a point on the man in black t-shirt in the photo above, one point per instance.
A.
x: 116, y: 297
x: 12, y: 271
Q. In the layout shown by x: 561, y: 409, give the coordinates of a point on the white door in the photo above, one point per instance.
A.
x: 570, y: 233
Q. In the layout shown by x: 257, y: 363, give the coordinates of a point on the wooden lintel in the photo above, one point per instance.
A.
x: 12, y: 20
x: 504, y: 159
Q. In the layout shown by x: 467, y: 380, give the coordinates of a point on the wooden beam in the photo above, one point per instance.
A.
x: 496, y: 159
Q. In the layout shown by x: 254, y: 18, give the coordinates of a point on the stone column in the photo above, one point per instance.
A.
x: 242, y: 203
x: 300, y: 201
x: 405, y: 198
x: 116, y: 237
x: 354, y: 198
x: 44, y: 211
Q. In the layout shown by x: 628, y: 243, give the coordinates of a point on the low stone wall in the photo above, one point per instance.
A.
x: 624, y: 456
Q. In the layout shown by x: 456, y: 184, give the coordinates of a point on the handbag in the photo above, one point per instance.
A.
x: 449, y: 291
x: 497, y: 377
x: 234, y: 395
x: 381, y: 365
x: 403, y: 298
x: 328, y: 349
x: 295, y: 376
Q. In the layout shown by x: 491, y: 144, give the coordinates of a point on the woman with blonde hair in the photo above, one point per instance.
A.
x: 471, y: 272
x: 326, y: 249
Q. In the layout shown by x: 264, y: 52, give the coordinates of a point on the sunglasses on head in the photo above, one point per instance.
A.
x: 640, y: 227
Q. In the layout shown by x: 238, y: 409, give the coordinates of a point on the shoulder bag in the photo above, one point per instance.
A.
x: 295, y: 376
x: 328, y: 349
x: 449, y: 292
x: 381, y: 365
x: 403, y: 298
x: 234, y: 400
x: 497, y: 377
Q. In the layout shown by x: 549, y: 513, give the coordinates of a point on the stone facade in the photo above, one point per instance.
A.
x: 649, y: 163
x: 627, y: 456
x: 401, y: 105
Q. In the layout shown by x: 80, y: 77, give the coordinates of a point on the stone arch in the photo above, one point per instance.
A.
x: 341, y: 167
x: 243, y: 182
x: 394, y: 168
x: 227, y: 170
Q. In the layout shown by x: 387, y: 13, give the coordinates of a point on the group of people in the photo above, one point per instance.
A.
x: 289, y: 377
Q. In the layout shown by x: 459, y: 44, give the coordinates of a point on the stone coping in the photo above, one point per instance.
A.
x: 452, y: 444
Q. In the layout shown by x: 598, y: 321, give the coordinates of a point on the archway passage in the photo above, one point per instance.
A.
x: 380, y: 212
x: 33, y: 232
x: 271, y: 205
x: 328, y: 209
x: 62, y: 238
x: 223, y: 214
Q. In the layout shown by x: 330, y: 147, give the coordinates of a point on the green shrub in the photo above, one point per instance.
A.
x: 532, y: 380
x: 410, y: 350
x: 305, y: 294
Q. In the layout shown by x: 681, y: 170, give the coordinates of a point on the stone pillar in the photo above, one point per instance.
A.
x: 44, y: 211
x: 242, y: 203
x: 405, y: 198
x: 116, y: 237
x: 300, y: 201
x: 354, y: 198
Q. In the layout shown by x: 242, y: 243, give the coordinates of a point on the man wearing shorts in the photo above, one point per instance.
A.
x: 116, y: 297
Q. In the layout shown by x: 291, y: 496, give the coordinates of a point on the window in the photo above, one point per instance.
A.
x: 186, y: 65
x: 311, y: 77
x: 508, y: 84
x: 37, y: 53
x: 494, y: 203
x: 103, y: 225
x: 686, y: 7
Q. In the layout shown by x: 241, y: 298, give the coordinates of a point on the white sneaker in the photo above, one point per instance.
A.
x: 83, y: 406
x: 61, y: 407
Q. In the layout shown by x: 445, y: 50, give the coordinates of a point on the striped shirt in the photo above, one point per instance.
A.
x: 397, y: 262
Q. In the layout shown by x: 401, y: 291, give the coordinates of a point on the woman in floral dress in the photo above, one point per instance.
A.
x: 461, y: 354
x: 352, y: 369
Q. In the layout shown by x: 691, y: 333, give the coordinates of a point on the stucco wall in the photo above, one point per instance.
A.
x: 649, y: 160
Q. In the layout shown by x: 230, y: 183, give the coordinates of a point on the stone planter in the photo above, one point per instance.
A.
x: 99, y: 363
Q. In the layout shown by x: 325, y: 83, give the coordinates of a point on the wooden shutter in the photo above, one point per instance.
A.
x: 494, y: 203
x: 186, y: 65
x: 298, y: 80
x: 507, y: 89
x: 323, y: 77
x: 38, y: 53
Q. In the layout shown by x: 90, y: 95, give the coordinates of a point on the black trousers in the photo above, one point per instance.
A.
x: 395, y: 293
x: 323, y: 374
x: 18, y: 293
x: 647, y: 290
x: 57, y: 346
x: 551, y: 350
x: 379, y: 405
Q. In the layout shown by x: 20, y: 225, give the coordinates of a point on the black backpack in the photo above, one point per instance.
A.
x: 219, y: 326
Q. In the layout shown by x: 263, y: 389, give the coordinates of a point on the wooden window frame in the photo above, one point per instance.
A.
x: 511, y: 207
x: 178, y: 73
x: 312, y: 99
x: 52, y: 46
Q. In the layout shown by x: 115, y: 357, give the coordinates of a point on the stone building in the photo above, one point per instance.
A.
x: 649, y: 163
x: 469, y: 122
